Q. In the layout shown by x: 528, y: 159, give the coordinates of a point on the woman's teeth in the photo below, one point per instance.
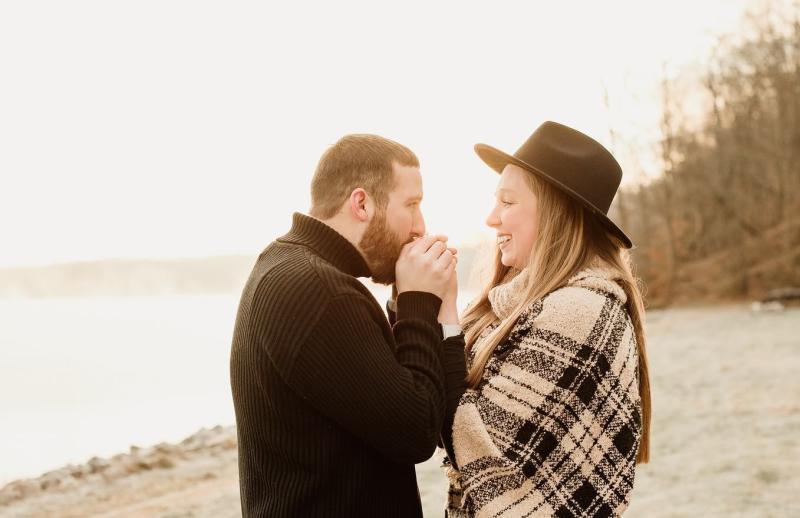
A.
x: 503, y: 239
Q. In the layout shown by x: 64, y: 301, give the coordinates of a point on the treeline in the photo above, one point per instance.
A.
x: 722, y: 221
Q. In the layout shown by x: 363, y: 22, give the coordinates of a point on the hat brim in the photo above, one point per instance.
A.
x: 498, y: 160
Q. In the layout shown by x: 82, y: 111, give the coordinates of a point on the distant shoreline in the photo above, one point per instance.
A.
x: 124, y: 277
x: 119, y: 277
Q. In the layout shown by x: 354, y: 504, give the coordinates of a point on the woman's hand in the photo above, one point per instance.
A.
x: 448, y: 314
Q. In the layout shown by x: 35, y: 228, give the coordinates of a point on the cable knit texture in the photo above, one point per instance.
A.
x: 555, y: 425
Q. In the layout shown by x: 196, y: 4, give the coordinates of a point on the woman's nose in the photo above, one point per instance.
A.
x: 492, y: 220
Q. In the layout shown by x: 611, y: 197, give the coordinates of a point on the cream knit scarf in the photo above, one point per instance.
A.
x: 505, y: 296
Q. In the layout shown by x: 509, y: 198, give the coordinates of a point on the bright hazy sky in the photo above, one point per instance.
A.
x: 161, y: 129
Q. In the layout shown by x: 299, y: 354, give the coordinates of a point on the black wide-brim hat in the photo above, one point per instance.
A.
x: 570, y: 161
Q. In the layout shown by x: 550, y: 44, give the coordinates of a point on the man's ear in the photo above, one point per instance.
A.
x: 360, y: 205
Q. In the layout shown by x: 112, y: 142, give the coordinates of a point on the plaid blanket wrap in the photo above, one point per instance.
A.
x: 554, y: 427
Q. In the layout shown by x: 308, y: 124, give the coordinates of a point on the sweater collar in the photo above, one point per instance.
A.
x: 505, y: 296
x: 329, y: 244
x: 597, y: 275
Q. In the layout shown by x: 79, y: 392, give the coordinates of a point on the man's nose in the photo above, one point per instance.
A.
x: 418, y: 228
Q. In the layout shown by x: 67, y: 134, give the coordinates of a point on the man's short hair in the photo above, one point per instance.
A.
x: 355, y: 161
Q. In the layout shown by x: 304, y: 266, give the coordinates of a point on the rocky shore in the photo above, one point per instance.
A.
x: 142, y: 482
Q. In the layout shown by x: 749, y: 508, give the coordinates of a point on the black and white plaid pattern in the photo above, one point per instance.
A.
x: 554, y: 428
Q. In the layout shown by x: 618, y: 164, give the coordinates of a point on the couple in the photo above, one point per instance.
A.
x: 538, y: 393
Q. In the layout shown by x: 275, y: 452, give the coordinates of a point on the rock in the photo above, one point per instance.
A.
x: 98, y: 465
x: 68, y: 483
x: 786, y: 294
x: 199, y: 440
x: 166, y: 448
x: 163, y: 462
x: 28, y: 488
x: 231, y: 443
x: 142, y: 465
x: 219, y: 438
x: 79, y: 472
x: 19, y: 489
x: 118, y: 470
x: 50, y: 480
x: 766, y: 307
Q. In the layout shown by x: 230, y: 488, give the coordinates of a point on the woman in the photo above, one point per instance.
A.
x: 556, y: 412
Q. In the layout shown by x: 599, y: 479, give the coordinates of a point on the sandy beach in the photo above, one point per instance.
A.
x: 726, y: 437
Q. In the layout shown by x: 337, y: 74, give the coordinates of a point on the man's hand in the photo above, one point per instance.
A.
x: 426, y: 264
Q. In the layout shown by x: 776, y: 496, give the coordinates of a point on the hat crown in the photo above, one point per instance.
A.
x: 575, y: 160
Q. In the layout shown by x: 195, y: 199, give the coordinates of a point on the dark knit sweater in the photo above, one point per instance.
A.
x: 334, y: 405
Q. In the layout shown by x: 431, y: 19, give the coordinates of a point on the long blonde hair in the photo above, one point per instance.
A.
x: 568, y: 239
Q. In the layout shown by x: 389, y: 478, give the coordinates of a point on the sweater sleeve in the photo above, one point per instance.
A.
x: 394, y: 400
x: 455, y: 372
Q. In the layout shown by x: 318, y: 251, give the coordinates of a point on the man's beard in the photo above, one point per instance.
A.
x: 381, y: 248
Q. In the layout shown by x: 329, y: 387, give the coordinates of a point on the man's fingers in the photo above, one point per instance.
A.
x: 437, y: 249
x: 422, y: 244
x: 444, y: 259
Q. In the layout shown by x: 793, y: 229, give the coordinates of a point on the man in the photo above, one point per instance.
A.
x: 335, y: 404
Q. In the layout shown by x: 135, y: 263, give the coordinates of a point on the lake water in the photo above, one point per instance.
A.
x: 84, y: 377
x: 91, y: 376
